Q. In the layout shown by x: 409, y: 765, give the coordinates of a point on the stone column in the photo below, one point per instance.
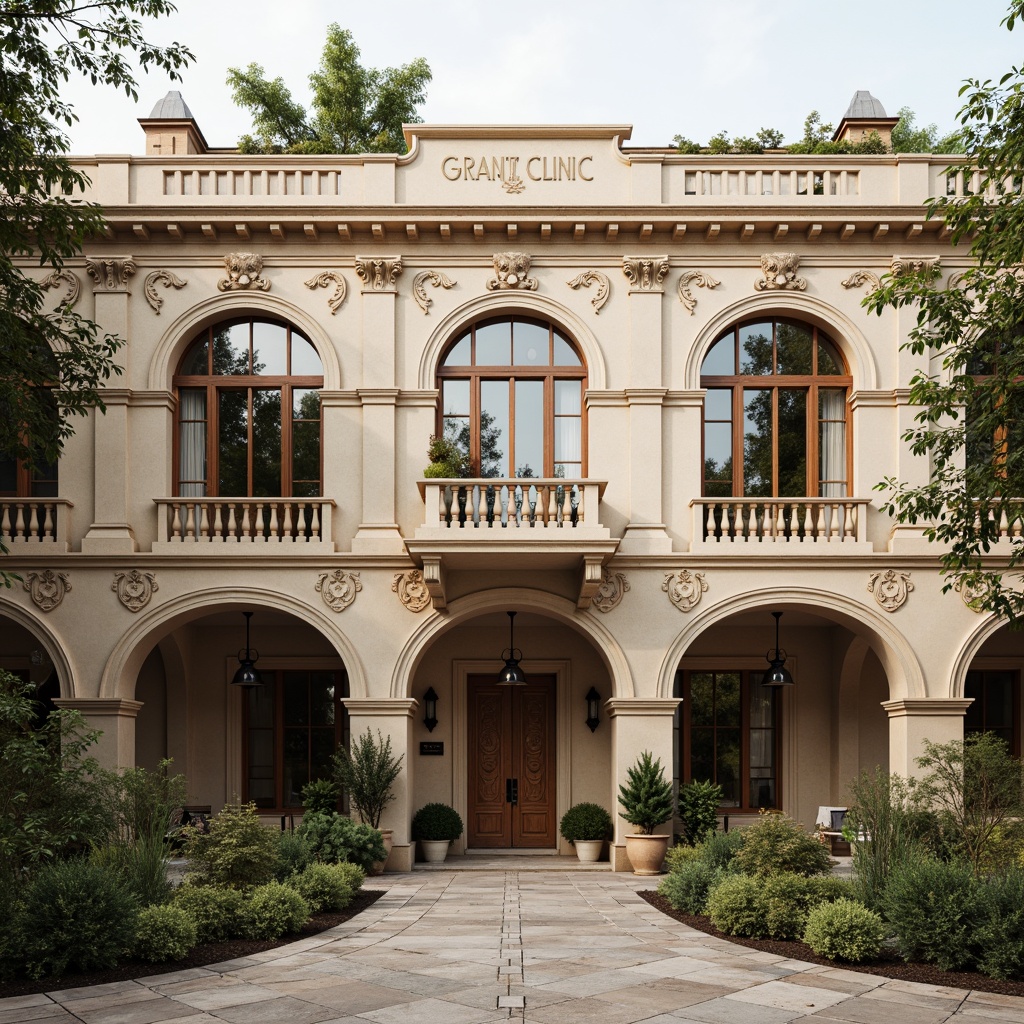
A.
x: 115, y: 718
x: 912, y: 720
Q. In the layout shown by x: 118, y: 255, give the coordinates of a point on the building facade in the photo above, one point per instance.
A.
x: 672, y: 408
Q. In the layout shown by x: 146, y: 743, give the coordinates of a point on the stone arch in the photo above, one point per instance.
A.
x: 511, y: 599
x: 131, y: 650
x: 892, y: 648
x: 181, y: 331
x: 969, y: 650
x: 58, y: 657
x: 797, y: 305
x: 509, y: 302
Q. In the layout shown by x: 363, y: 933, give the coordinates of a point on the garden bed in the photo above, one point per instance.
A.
x: 199, y: 956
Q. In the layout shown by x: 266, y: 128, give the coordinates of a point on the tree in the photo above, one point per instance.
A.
x: 355, y: 109
x: 60, y: 354
x: 907, y: 137
x: 969, y: 395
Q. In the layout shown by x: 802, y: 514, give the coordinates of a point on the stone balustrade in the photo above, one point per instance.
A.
x: 779, y: 522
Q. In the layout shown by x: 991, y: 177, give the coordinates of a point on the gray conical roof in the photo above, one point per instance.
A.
x: 172, y: 108
x: 864, y: 105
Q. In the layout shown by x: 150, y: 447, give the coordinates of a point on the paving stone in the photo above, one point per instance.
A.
x: 729, y: 1011
x: 784, y: 996
x: 283, y: 1010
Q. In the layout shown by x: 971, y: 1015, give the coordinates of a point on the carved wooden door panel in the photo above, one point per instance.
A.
x: 511, y: 764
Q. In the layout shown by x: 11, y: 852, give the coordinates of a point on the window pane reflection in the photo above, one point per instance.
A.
x: 493, y: 428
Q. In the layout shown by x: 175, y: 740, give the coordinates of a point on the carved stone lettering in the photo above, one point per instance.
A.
x: 891, y: 588
x: 244, y: 273
x: 134, y: 589
x: 645, y: 273
x: 512, y: 270
x: 419, y: 291
x: 780, y: 273
x: 338, y: 588
x: 586, y: 279
x: 610, y: 592
x: 685, y: 588
x: 411, y: 590
x: 700, y: 280
x: 330, y: 279
x: 47, y: 588
x: 110, y: 273
x: 167, y: 279
x: 379, y: 273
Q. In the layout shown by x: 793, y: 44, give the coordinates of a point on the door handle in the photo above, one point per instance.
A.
x: 512, y: 791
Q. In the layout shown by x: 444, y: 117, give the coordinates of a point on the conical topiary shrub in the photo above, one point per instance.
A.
x: 646, y: 799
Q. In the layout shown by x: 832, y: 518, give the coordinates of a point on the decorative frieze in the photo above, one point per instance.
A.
x: 110, y: 273
x: 411, y: 589
x: 338, y: 588
x: 245, y: 270
x: 613, y: 586
x: 379, y: 273
x: 645, y: 273
x: 862, y: 277
x: 929, y: 266
x: 586, y: 279
x: 419, y: 291
x: 63, y: 278
x: 512, y: 271
x: 134, y: 588
x: 47, y: 588
x: 699, y: 279
x: 685, y: 588
x: 780, y: 273
x: 891, y: 588
x: 330, y: 279
x: 167, y: 279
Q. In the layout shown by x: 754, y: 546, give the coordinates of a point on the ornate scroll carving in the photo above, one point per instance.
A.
x: 610, y: 592
x: 411, y: 590
x: 63, y: 277
x: 512, y: 270
x: 379, y: 273
x: 134, y: 589
x: 586, y: 279
x: 971, y: 592
x: 244, y: 273
x: 47, y: 588
x: 685, y: 588
x: 859, y: 277
x: 780, y: 272
x: 645, y: 273
x: 891, y: 588
x: 328, y: 279
x: 110, y: 273
x: 930, y: 266
x: 419, y: 292
x: 167, y: 279
x: 701, y: 280
x: 338, y: 588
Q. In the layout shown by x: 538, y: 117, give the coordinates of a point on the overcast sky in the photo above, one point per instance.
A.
x: 666, y: 67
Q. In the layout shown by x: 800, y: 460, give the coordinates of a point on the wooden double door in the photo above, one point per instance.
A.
x: 512, y: 778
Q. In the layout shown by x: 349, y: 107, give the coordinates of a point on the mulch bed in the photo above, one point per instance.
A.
x: 200, y: 956
x: 889, y: 964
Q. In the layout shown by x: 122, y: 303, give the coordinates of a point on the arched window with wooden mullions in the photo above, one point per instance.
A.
x: 249, y: 412
x: 512, y: 400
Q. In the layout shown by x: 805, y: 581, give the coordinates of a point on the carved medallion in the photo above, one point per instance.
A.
x: 411, y: 590
x: 167, y: 279
x: 901, y: 266
x: 379, y: 273
x: 698, y: 278
x: 512, y: 270
x: 971, y: 592
x: 685, y: 588
x: 419, y: 292
x: 780, y: 272
x: 891, y: 588
x: 609, y: 593
x: 859, y: 277
x: 338, y: 588
x: 329, y: 279
x: 47, y: 588
x: 645, y: 273
x: 244, y: 270
x: 59, y: 278
x: 134, y: 589
x: 586, y: 279
x: 110, y: 273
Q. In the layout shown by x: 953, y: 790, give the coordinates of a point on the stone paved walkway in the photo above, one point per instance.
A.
x: 550, y: 947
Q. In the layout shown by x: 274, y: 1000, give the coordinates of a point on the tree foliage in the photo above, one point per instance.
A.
x: 355, y: 109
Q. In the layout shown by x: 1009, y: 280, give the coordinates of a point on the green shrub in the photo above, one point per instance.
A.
x: 586, y: 821
x: 720, y: 848
x: 777, y: 843
x: 275, y: 910
x: 784, y: 902
x: 436, y: 822
x: 10, y: 941
x: 698, y: 810
x: 323, y: 887
x: 164, y: 933
x: 141, y: 864
x: 1000, y: 938
x: 352, y: 873
x: 320, y: 796
x: 687, y: 886
x: 333, y: 838
x: 829, y: 888
x: 646, y: 798
x: 734, y: 908
x: 844, y: 930
x: 935, y: 908
x: 218, y: 913
x: 293, y: 854
x: 681, y: 854
x: 76, y: 916
x: 368, y: 773
x: 237, y: 852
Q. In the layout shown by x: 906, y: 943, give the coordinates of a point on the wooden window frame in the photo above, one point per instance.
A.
x: 990, y: 667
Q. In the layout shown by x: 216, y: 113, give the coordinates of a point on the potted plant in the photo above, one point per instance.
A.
x: 447, y: 459
x: 646, y: 802
x: 586, y: 826
x: 435, y: 826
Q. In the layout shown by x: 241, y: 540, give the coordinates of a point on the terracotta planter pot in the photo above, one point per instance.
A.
x: 434, y: 850
x: 589, y: 850
x: 377, y: 868
x: 646, y: 853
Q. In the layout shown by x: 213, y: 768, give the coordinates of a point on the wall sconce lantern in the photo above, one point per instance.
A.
x: 247, y: 674
x: 593, y: 699
x: 511, y: 674
x: 430, y: 709
x: 777, y: 674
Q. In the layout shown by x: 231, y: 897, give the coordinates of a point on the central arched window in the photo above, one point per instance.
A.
x: 775, y: 414
x: 249, y: 412
x: 512, y: 399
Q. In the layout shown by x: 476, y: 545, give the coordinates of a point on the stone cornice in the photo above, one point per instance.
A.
x: 641, y: 706
x: 907, y: 707
x: 400, y: 707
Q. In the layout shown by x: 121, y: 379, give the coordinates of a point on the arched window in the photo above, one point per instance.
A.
x: 249, y: 412
x: 776, y: 413
x: 994, y: 438
x: 512, y: 399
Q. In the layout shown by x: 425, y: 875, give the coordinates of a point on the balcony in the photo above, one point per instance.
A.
x: 36, y: 525
x: 243, y: 526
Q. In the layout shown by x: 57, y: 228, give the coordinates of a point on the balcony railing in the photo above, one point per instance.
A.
x: 243, y: 524
x: 38, y: 523
x: 792, y: 522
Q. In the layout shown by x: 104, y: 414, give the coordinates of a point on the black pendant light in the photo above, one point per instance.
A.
x: 511, y: 674
x: 247, y: 674
x: 777, y: 674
